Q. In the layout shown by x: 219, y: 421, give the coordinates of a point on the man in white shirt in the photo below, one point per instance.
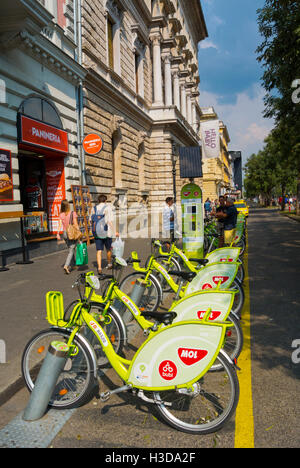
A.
x: 169, y: 219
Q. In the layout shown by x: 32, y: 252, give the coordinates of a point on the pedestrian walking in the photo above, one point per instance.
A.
x: 68, y: 218
x: 207, y: 207
x: 103, y: 230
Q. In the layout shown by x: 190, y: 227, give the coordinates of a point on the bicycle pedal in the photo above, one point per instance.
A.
x: 104, y: 396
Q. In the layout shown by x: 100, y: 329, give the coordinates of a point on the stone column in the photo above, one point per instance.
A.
x: 194, y: 117
x: 157, y: 75
x: 168, y: 82
x: 183, y: 100
x: 189, y: 108
x: 176, y: 89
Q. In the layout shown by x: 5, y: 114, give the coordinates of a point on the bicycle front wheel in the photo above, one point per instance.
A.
x: 208, y: 407
x: 76, y: 383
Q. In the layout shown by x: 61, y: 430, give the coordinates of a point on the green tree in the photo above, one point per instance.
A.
x: 279, y: 54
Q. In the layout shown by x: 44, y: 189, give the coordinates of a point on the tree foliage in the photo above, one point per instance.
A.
x: 279, y: 54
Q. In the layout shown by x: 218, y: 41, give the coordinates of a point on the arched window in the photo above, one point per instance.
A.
x: 40, y: 109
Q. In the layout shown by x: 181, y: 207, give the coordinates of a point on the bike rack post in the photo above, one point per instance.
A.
x: 3, y: 263
x: 52, y: 366
x: 136, y: 297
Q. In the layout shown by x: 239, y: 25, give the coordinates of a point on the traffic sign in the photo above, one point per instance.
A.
x: 92, y: 144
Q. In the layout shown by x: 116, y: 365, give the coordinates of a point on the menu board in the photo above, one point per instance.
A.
x: 6, y: 185
x: 56, y: 191
x: 83, y: 206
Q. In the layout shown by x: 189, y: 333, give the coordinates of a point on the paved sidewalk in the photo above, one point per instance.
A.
x: 22, y: 310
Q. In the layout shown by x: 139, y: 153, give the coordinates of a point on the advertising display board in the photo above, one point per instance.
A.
x: 6, y: 185
x: 83, y: 205
x: 192, y: 221
x: 56, y: 192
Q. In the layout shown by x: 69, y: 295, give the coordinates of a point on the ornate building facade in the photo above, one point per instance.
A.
x: 141, y: 92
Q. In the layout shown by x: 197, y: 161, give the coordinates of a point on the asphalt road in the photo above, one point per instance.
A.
x: 274, y: 256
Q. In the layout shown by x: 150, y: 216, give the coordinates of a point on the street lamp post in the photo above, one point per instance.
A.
x: 174, y: 161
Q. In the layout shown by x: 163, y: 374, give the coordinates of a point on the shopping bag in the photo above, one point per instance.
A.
x: 118, y: 247
x: 82, y: 254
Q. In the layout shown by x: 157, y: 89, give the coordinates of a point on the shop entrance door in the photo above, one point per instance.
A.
x: 33, y: 193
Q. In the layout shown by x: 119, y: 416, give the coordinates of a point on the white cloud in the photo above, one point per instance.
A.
x: 208, y: 45
x: 246, y: 125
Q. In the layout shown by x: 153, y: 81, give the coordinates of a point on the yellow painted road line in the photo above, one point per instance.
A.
x: 244, y: 423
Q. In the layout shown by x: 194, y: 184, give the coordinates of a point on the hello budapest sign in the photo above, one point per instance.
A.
x: 210, y: 139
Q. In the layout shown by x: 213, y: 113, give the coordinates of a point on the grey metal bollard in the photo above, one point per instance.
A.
x: 136, y: 297
x: 52, y: 366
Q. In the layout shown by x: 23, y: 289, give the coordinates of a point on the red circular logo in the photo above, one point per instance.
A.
x: 92, y: 144
x: 167, y: 370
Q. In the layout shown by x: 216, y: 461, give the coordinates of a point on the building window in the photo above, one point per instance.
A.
x: 137, y: 65
x: 113, y: 28
x: 110, y: 43
x: 141, y: 167
x: 40, y: 109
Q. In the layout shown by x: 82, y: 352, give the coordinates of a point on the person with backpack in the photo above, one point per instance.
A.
x: 103, y: 229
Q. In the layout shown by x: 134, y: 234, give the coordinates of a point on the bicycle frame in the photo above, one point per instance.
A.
x: 156, y: 349
x: 189, y: 264
x: 113, y: 293
x: 187, y: 308
x: 180, y: 291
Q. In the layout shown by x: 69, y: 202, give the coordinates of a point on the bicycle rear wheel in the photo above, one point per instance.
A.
x: 239, y: 298
x: 234, y: 341
x: 208, y: 408
x: 76, y: 383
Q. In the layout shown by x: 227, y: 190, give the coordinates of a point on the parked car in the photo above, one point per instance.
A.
x: 242, y: 206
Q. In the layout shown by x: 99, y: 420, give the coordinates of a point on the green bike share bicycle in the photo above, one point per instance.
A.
x: 159, y: 278
x: 104, y: 309
x: 168, y: 372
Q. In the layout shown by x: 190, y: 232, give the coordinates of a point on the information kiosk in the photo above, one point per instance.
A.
x: 192, y: 221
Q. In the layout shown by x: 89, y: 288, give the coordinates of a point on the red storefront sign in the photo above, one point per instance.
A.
x: 56, y: 191
x: 38, y: 134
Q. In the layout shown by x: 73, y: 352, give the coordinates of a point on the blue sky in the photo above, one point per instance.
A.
x: 230, y: 74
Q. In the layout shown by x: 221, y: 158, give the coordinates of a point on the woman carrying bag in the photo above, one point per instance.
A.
x: 71, y: 233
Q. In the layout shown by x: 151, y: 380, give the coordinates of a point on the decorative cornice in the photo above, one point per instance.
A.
x: 40, y: 48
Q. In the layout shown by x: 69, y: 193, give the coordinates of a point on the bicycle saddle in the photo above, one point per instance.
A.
x: 186, y: 275
x: 166, y: 318
x: 202, y: 261
x: 103, y: 276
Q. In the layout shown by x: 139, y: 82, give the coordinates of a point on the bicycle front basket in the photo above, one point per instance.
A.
x: 56, y: 312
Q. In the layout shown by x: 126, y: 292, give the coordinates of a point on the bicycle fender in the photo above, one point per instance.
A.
x: 122, y: 324
x: 156, y: 281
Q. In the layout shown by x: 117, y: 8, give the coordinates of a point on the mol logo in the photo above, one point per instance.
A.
x: 213, y: 315
x: 217, y: 279
x: 190, y: 356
